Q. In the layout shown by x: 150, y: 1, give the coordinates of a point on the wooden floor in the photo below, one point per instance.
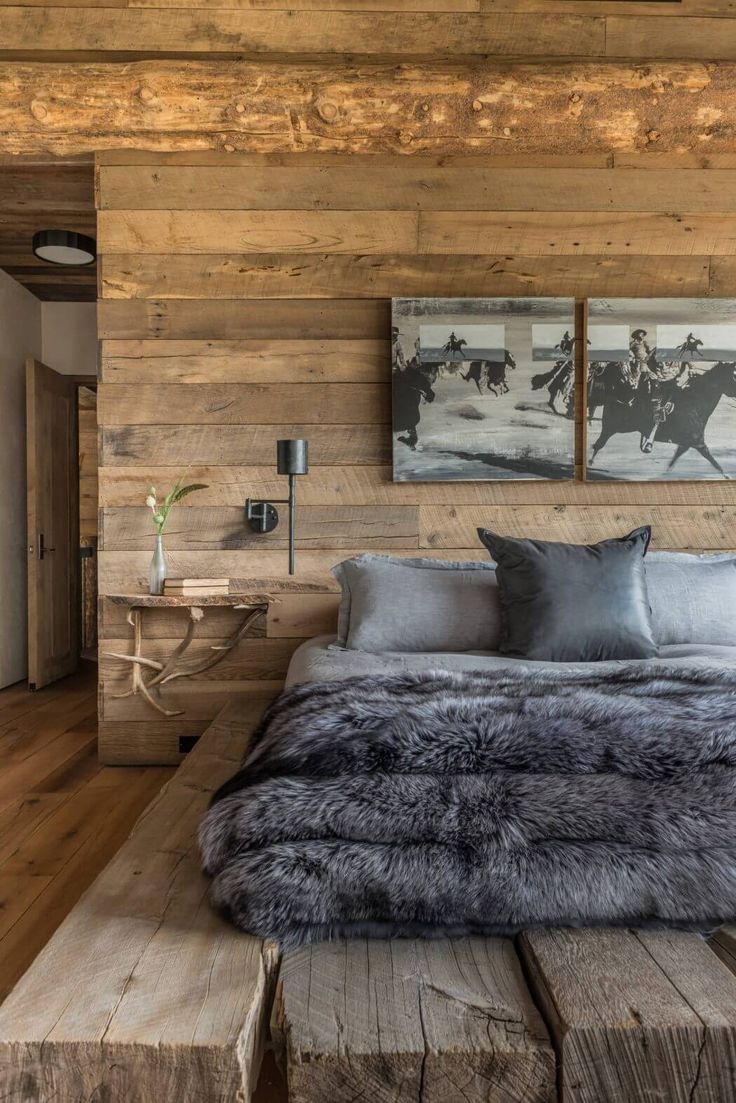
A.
x: 62, y: 817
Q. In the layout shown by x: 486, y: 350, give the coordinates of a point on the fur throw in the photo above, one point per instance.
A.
x: 418, y: 804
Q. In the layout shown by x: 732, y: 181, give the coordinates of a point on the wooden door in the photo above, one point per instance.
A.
x: 53, y: 525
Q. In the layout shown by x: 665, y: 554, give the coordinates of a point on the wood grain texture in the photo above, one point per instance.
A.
x: 134, y: 994
x: 265, y: 361
x: 489, y: 107
x: 635, y: 1013
x: 147, y: 445
x: 346, y: 319
x: 436, y: 1020
x: 415, y: 183
x: 256, y: 231
x: 673, y: 526
x: 345, y: 484
x: 249, y: 33
x: 243, y: 403
x: 213, y: 528
x: 330, y: 276
x: 593, y: 233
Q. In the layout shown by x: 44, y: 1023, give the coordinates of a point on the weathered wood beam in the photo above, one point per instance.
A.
x: 66, y: 31
x: 436, y: 107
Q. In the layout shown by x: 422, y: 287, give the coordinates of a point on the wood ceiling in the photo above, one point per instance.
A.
x: 37, y: 195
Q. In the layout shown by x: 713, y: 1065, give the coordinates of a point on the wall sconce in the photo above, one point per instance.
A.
x: 292, y: 459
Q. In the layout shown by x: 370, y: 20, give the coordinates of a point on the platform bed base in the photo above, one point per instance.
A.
x: 144, y: 995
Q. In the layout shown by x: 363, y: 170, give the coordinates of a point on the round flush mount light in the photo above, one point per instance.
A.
x: 64, y: 247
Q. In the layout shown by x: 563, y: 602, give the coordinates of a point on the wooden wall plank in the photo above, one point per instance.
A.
x: 523, y: 107
x: 251, y: 660
x: 528, y: 233
x: 275, y: 276
x: 199, y: 701
x: 346, y: 319
x: 345, y: 484
x: 249, y: 33
x: 413, y: 184
x: 605, y: 233
x: 149, y: 445
x: 243, y: 403
x: 224, y: 527
x: 215, y: 231
x: 668, y: 37
x: 673, y: 526
x: 266, y: 361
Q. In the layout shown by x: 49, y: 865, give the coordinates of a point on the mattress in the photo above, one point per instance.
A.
x: 320, y: 660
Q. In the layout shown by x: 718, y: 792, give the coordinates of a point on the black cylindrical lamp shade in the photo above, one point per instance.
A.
x: 64, y: 247
x: 292, y: 457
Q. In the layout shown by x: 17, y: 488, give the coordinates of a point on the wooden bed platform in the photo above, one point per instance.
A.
x: 144, y: 996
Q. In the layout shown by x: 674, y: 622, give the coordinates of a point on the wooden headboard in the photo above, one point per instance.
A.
x: 247, y: 298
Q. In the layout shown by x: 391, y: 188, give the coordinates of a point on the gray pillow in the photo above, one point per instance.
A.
x: 392, y: 604
x: 693, y: 597
x: 572, y: 602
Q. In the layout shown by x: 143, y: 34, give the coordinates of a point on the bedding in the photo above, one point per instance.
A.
x: 414, y: 802
x: 693, y: 597
x: 392, y: 604
x: 573, y: 602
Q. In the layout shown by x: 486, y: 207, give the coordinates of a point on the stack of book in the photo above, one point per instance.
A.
x: 189, y: 587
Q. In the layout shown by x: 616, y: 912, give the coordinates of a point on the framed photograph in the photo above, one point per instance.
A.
x: 661, y: 389
x: 483, y: 389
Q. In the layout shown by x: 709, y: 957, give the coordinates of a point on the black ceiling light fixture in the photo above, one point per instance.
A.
x: 65, y: 247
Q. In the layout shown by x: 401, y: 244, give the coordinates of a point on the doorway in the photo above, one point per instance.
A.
x: 61, y: 431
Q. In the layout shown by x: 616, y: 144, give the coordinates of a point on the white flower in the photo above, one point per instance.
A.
x: 151, y: 501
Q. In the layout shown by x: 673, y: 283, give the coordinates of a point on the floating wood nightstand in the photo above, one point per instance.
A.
x: 255, y: 605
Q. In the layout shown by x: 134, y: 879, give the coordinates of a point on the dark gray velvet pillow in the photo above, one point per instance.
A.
x: 573, y: 602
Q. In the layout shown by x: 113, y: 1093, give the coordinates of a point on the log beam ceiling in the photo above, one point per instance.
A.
x: 489, y: 106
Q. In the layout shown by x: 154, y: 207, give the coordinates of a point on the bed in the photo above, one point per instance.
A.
x: 471, y: 792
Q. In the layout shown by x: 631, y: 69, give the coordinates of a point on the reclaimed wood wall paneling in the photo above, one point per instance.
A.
x: 212, y: 349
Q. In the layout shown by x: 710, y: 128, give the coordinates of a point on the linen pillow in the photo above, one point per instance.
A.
x: 572, y: 602
x: 392, y: 604
x: 693, y: 597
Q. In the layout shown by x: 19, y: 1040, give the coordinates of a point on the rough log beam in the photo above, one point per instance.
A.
x: 494, y: 107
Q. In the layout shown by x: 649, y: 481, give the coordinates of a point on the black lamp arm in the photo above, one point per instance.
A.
x: 263, y: 516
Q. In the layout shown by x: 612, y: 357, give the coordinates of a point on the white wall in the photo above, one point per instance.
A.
x: 20, y: 337
x: 70, y: 337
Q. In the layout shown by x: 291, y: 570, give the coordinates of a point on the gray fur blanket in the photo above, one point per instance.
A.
x: 418, y: 804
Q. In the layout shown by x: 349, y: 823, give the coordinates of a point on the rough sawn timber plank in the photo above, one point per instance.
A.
x: 144, y: 993
x: 635, y: 1015
x: 444, y: 1021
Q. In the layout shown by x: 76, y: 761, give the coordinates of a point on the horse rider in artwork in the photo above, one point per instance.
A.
x: 410, y: 387
x: 655, y: 382
x: 690, y: 347
x: 454, y: 345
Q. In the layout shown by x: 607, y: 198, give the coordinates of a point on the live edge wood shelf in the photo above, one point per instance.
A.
x: 148, y: 675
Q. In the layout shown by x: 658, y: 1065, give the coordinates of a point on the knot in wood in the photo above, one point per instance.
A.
x: 575, y: 97
x: 327, y: 110
x: 405, y: 138
x: 477, y: 105
x: 38, y: 110
x: 653, y: 135
x: 146, y: 94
